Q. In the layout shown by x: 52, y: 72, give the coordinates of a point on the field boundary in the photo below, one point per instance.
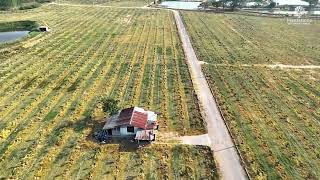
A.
x: 231, y: 134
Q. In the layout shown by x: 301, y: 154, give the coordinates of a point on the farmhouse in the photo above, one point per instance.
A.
x: 135, y: 122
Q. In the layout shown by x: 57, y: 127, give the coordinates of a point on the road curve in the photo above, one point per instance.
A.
x: 228, y: 161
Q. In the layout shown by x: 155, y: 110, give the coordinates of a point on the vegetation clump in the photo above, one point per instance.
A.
x: 9, y: 4
x: 19, y: 26
x: 21, y: 4
x: 110, y: 106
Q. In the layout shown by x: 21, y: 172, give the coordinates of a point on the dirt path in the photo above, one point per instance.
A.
x: 221, y: 142
x: 196, y: 140
x: 174, y: 137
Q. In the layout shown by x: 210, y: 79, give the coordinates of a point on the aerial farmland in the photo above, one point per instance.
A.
x: 50, y: 84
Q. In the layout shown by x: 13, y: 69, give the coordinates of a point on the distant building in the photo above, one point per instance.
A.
x: 44, y: 29
x: 133, y: 121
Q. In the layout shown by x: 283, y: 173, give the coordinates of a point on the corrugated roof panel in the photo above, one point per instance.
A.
x: 133, y: 116
x: 139, y: 119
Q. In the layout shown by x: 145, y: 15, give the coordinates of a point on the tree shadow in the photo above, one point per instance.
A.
x: 126, y: 144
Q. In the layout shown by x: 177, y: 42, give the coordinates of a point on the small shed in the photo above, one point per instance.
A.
x: 44, y: 29
x: 133, y: 121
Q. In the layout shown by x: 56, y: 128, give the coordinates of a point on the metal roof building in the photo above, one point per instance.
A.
x: 132, y: 121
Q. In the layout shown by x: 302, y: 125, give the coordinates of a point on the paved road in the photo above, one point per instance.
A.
x: 225, y: 153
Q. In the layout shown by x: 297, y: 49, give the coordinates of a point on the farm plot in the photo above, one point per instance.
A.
x: 109, y: 162
x: 274, y: 116
x: 236, y: 39
x: 115, y: 3
x: 273, y: 113
x: 49, y: 84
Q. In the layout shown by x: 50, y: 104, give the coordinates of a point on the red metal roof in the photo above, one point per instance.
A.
x: 132, y: 117
x: 139, y: 119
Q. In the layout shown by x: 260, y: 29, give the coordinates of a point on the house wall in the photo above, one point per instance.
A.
x: 115, y: 132
x: 123, y: 131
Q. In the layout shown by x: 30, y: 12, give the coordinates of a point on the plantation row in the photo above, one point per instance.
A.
x: 274, y: 116
x: 50, y: 83
x: 233, y: 39
x: 158, y: 162
x: 155, y: 162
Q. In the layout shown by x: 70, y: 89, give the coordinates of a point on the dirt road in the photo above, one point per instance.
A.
x: 221, y: 142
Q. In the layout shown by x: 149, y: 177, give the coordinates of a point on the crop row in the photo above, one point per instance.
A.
x: 238, y: 39
x: 274, y: 116
x: 50, y: 85
x: 115, y: 3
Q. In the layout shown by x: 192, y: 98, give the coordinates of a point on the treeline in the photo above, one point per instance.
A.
x: 225, y: 4
x: 9, y: 4
x: 19, y: 26
x: 228, y: 3
x: 21, y: 4
x: 238, y: 3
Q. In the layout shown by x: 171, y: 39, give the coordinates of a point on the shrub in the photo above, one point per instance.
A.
x: 29, y: 6
x: 110, y: 106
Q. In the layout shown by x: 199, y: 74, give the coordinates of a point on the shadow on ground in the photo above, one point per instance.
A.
x: 127, y: 144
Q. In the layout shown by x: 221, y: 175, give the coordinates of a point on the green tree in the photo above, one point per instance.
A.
x: 110, y: 106
x: 312, y: 3
x: 236, y: 3
x: 216, y: 4
x: 9, y: 4
x: 272, y: 5
x: 233, y: 4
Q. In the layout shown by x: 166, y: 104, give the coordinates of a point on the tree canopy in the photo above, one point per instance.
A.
x: 8, y: 4
x: 109, y: 105
x: 312, y: 2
